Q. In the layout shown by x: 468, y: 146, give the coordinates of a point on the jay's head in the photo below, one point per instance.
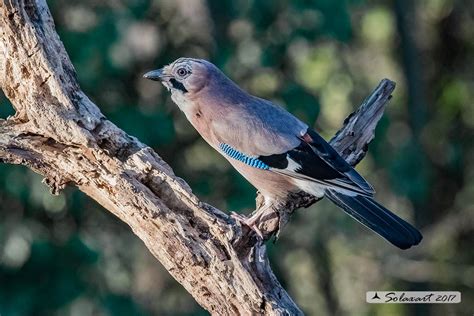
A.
x: 184, y: 77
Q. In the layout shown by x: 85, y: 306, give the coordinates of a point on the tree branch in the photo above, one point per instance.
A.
x: 59, y: 133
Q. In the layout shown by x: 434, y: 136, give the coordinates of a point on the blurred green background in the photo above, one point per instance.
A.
x: 65, y: 255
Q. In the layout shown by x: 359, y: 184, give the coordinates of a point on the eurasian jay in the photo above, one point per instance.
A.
x: 272, y: 149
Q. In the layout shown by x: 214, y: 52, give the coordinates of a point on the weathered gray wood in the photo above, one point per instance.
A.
x: 59, y: 133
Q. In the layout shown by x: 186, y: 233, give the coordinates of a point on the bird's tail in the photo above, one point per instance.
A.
x: 376, y: 217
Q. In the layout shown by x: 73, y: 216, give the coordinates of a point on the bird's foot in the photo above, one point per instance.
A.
x: 250, y: 222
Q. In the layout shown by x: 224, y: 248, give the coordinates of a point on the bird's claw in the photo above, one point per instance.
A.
x: 249, y: 222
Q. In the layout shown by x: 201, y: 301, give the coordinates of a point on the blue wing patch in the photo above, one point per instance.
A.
x: 235, y: 154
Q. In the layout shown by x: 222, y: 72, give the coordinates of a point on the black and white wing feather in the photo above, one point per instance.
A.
x: 315, y: 160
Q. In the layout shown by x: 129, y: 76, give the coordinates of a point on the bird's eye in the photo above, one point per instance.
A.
x: 182, y: 72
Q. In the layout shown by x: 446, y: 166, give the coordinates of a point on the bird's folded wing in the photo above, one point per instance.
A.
x: 318, y: 162
x: 256, y: 127
x: 263, y: 135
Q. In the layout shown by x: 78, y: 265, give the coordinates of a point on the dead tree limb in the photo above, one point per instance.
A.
x: 59, y: 133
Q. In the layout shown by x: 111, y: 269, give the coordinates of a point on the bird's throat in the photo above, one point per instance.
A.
x: 183, y: 102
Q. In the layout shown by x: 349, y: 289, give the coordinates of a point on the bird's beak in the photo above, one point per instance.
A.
x: 155, y: 75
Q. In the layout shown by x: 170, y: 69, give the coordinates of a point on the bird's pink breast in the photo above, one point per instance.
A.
x: 270, y: 184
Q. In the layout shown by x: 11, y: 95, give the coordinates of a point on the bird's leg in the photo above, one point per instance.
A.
x: 251, y: 222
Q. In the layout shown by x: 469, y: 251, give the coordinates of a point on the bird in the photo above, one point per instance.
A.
x: 272, y: 149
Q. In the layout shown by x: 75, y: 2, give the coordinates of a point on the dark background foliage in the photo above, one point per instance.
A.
x: 65, y: 255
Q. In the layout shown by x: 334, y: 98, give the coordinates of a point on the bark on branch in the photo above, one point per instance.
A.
x: 59, y: 133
